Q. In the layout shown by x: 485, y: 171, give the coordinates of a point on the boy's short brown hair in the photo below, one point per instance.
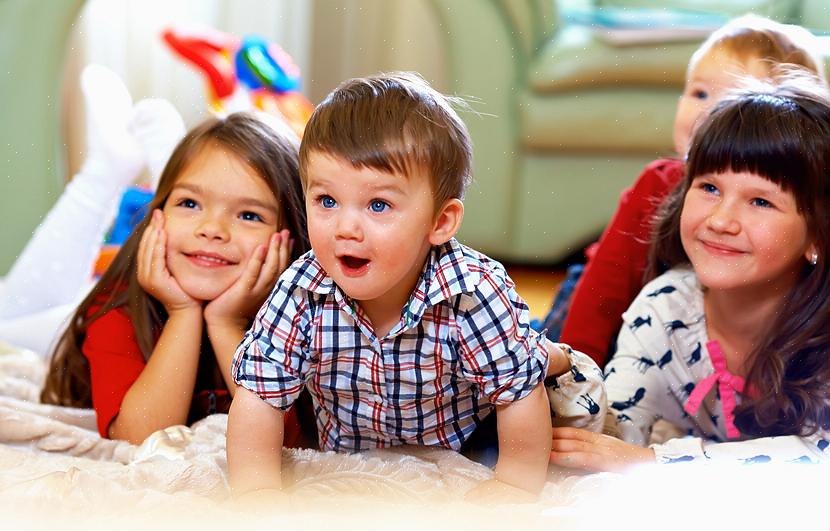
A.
x: 754, y: 37
x: 393, y: 122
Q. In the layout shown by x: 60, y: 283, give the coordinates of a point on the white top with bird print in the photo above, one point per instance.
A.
x: 666, y: 368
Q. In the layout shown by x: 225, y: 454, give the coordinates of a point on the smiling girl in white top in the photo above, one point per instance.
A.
x: 732, y: 343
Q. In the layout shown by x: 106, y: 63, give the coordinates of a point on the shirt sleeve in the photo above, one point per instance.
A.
x: 634, y: 381
x: 787, y: 449
x: 614, y: 274
x: 273, y: 359
x: 577, y: 397
x: 498, y: 349
x: 115, y: 363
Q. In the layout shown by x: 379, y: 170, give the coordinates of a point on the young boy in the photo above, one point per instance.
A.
x: 401, y: 334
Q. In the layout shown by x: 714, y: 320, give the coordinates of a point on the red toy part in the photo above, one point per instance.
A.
x: 210, y: 51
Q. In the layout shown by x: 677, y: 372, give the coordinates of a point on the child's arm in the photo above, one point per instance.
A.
x: 524, y: 441
x: 576, y: 448
x: 614, y: 274
x: 575, y: 389
x: 227, y: 317
x: 162, y: 394
x: 787, y: 449
x: 254, y: 444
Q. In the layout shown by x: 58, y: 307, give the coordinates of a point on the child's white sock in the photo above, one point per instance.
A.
x: 55, y: 266
x: 158, y: 127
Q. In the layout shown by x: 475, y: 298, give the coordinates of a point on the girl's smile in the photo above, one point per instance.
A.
x: 219, y: 211
x: 719, y: 249
x: 740, y: 229
x: 209, y: 260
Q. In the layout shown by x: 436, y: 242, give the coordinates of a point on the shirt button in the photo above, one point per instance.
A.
x: 378, y: 399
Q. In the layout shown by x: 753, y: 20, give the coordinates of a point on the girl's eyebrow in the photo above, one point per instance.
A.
x: 239, y: 200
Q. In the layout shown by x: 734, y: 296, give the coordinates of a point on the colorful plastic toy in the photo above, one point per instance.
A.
x: 248, y: 72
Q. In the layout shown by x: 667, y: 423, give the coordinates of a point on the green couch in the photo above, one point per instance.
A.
x: 33, y: 35
x: 565, y: 121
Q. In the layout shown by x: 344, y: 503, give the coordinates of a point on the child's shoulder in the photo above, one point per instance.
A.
x: 461, y: 260
x: 479, y: 278
x: 675, y: 294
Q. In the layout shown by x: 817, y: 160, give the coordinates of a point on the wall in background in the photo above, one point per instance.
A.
x: 330, y: 41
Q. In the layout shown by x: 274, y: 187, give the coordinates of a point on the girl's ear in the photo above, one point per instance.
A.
x: 812, y: 254
x: 447, y: 221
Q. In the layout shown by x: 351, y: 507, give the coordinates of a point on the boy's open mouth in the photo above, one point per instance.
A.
x: 353, y: 262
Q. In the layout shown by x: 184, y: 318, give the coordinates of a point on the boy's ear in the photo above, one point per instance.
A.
x: 447, y: 222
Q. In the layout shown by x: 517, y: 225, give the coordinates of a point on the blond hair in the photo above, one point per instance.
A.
x: 753, y: 37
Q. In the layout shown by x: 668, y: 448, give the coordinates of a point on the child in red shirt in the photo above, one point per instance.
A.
x: 151, y: 345
x: 749, y: 46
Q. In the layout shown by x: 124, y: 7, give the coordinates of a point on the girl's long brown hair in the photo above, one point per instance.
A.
x: 271, y: 151
x: 783, y: 134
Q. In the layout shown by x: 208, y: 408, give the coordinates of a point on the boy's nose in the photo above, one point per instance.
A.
x: 348, y: 226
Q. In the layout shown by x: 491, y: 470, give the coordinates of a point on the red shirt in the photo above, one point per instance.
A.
x: 115, y: 363
x: 613, y: 275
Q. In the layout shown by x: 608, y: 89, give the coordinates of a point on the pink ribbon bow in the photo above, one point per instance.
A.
x: 728, y: 385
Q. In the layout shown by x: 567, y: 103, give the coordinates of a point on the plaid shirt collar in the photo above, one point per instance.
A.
x: 448, y: 271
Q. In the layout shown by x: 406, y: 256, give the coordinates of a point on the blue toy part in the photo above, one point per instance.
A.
x: 257, y: 68
x: 131, y: 210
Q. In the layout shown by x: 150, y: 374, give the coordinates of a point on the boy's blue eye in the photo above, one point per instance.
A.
x: 709, y: 188
x: 763, y: 203
x: 328, y: 201
x: 250, y: 216
x: 378, y: 205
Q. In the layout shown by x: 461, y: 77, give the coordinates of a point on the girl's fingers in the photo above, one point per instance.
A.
x: 576, y: 434
x: 253, y: 269
x: 146, y: 247
x: 580, y: 460
x: 286, y: 244
x: 271, y: 267
x: 570, y: 445
x: 158, y: 264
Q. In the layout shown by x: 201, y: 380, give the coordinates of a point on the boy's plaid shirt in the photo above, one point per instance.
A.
x: 463, y: 343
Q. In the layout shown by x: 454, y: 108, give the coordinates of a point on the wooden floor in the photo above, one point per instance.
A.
x: 536, y: 285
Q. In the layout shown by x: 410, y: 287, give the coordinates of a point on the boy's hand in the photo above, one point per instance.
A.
x: 577, y: 448
x: 493, y: 492
x: 153, y: 275
x: 240, y: 302
x: 558, y: 361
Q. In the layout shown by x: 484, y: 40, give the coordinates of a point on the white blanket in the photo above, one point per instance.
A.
x: 57, y: 473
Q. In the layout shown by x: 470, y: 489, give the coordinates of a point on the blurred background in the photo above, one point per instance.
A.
x: 569, y: 98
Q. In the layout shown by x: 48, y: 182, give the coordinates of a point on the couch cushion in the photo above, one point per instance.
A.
x: 577, y: 58
x: 604, y: 119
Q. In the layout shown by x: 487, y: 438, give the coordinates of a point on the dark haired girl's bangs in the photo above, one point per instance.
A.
x: 766, y: 136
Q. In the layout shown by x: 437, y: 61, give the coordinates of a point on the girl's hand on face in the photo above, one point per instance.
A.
x: 153, y: 275
x: 240, y: 302
x: 577, y: 448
